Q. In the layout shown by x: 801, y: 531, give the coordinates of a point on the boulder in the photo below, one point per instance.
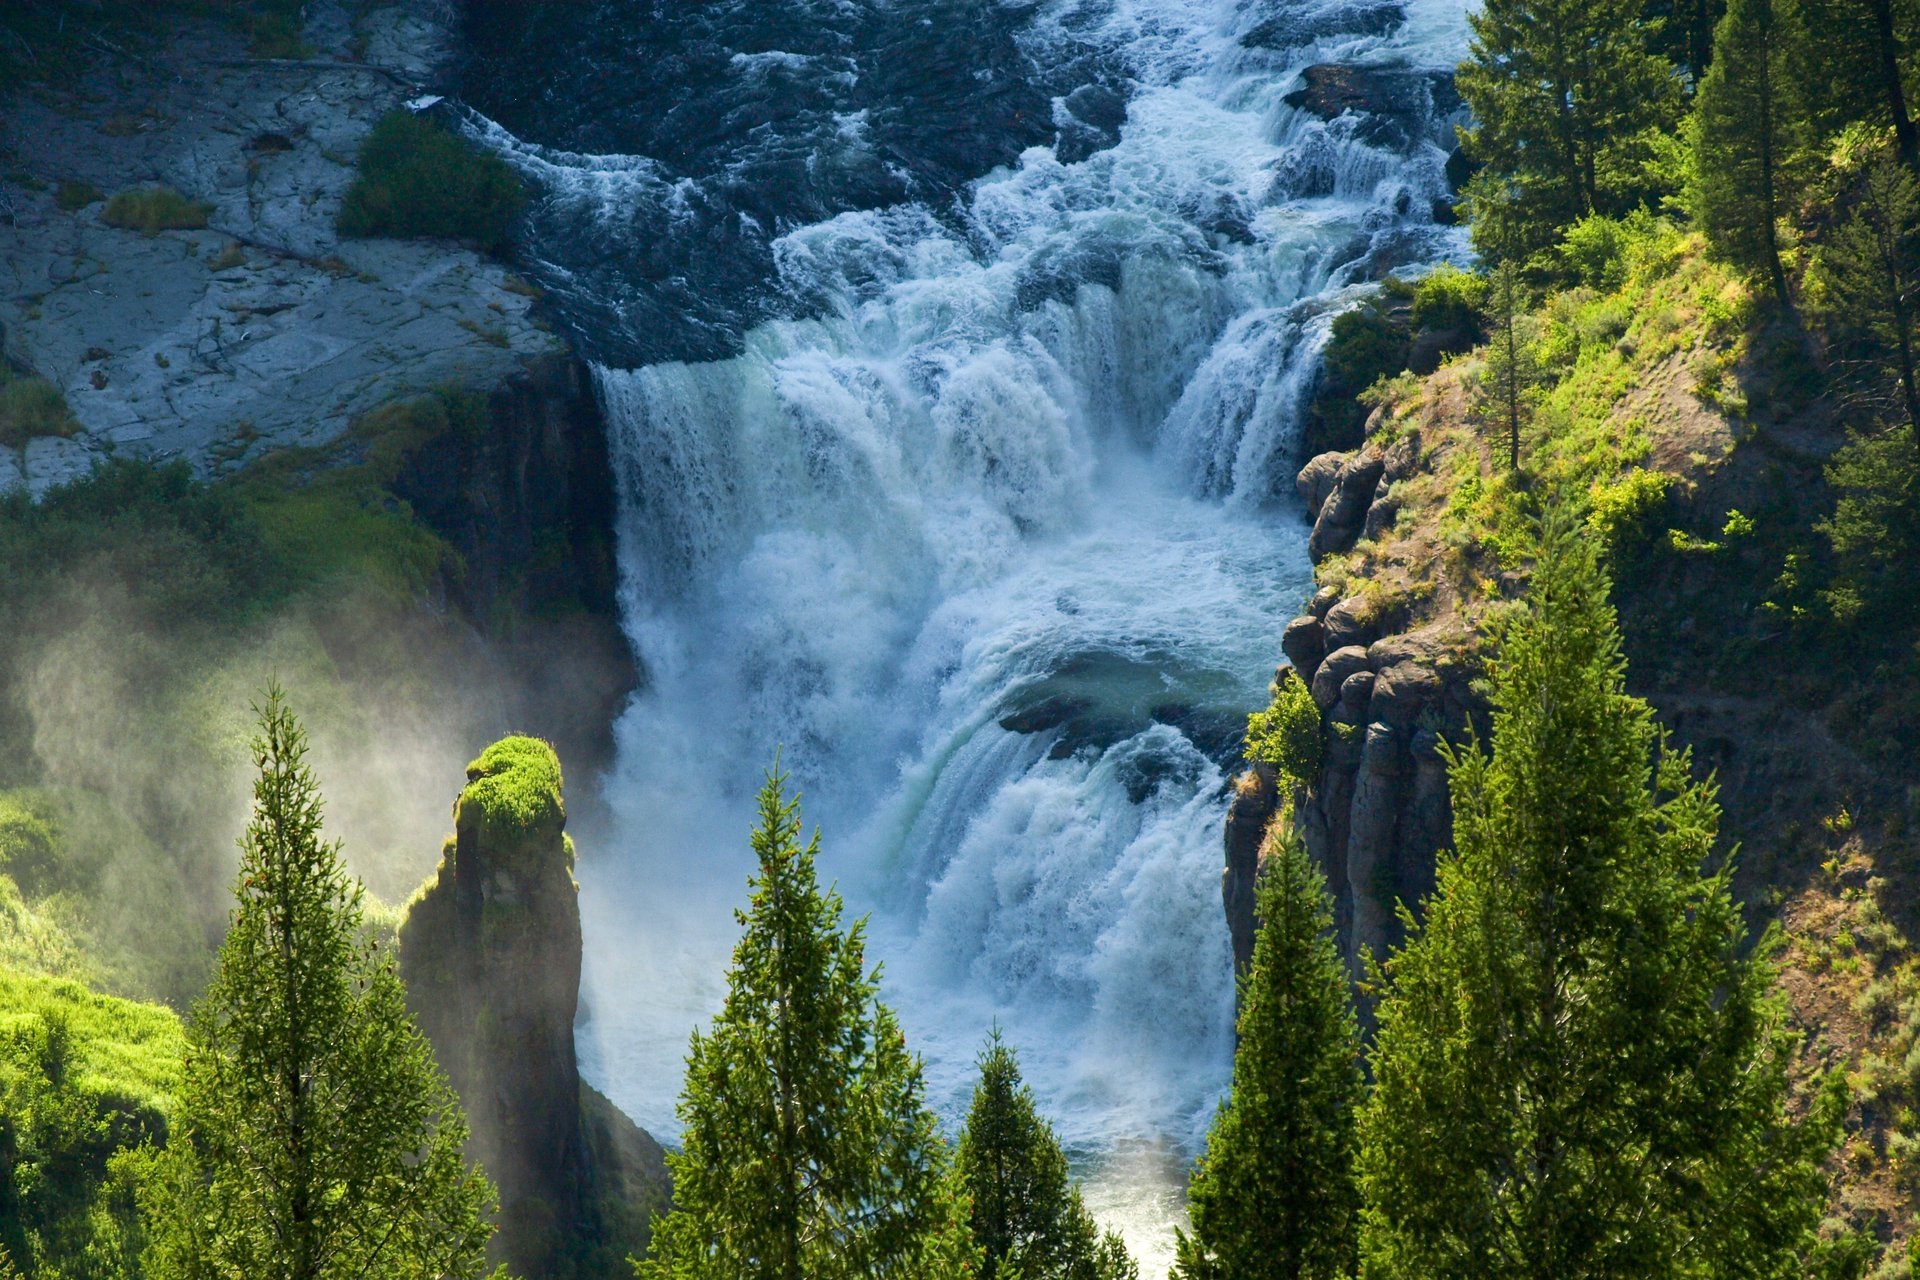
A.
x: 1402, y: 692
x: 1333, y: 672
x: 1345, y: 512
x: 1397, y: 104
x: 1316, y: 480
x: 1305, y: 644
x: 1356, y: 691
x: 1348, y: 623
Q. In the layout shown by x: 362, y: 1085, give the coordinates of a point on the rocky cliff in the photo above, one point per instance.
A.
x: 1688, y: 430
x: 490, y: 951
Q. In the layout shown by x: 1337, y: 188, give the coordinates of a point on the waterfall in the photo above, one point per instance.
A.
x: 975, y: 501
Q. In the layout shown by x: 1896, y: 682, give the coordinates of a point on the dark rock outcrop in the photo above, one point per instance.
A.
x: 1398, y: 105
x: 1255, y: 797
x: 490, y: 952
x: 1378, y: 813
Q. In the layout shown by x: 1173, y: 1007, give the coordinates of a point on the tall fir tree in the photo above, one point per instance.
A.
x: 314, y: 1138
x: 1749, y: 134
x: 1866, y: 282
x: 1274, y: 1196
x: 1857, y: 55
x: 1579, y: 1070
x: 1512, y: 373
x: 1569, y: 110
x: 1026, y: 1214
x: 809, y: 1152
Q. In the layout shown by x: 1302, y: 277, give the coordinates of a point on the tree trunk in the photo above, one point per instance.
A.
x: 1903, y: 132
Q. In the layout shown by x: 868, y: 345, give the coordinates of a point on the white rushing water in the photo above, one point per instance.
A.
x: 1032, y: 463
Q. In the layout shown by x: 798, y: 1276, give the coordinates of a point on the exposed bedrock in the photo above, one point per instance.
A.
x: 490, y: 951
x: 1378, y: 812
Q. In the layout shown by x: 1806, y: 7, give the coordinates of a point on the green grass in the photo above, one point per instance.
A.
x: 31, y: 408
x: 418, y: 180
x: 121, y: 1049
x: 151, y: 209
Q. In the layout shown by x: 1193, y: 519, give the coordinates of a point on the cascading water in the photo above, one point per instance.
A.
x: 953, y: 354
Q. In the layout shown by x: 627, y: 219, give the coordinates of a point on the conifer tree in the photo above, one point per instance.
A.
x: 314, y: 1138
x: 808, y: 1152
x: 1579, y: 1072
x: 1867, y: 290
x: 1026, y: 1214
x: 1856, y: 59
x: 1568, y: 107
x: 1273, y: 1197
x: 1512, y: 369
x: 1748, y: 134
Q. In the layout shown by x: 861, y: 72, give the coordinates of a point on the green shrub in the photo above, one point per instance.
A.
x: 1622, y: 513
x: 1874, y: 529
x: 418, y: 179
x: 71, y: 197
x: 1448, y: 299
x: 31, y: 407
x: 152, y: 209
x: 85, y: 1081
x: 1287, y: 734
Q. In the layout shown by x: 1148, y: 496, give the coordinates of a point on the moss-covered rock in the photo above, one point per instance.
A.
x: 490, y: 951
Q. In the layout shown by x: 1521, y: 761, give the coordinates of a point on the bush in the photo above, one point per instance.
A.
x: 1287, y: 734
x: 1623, y: 513
x: 31, y: 407
x: 1448, y: 299
x: 418, y: 179
x: 71, y: 197
x: 1367, y: 345
x: 152, y: 209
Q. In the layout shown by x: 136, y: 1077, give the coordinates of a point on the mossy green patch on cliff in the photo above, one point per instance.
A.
x: 119, y: 1048
x: 514, y: 785
x: 418, y: 179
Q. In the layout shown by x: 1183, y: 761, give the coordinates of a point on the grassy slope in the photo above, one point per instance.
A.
x: 1696, y: 436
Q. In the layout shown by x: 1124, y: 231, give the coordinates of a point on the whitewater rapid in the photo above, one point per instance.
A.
x: 981, y: 514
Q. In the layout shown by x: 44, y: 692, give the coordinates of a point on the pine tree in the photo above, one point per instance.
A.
x: 1867, y: 290
x: 1855, y: 54
x: 1512, y: 371
x: 1578, y: 1070
x: 1568, y: 107
x: 1274, y: 1194
x: 1749, y: 134
x: 1027, y: 1216
x: 314, y: 1137
x: 808, y: 1151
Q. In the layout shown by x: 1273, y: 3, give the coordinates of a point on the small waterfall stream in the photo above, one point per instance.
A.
x: 957, y: 464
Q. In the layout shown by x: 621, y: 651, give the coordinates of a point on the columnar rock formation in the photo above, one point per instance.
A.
x: 1378, y: 813
x: 490, y: 951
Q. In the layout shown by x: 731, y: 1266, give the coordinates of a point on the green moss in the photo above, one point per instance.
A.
x: 152, y: 209
x: 418, y: 179
x: 514, y: 785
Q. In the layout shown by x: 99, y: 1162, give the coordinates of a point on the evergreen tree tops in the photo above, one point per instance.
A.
x: 1274, y: 1194
x: 1579, y: 1071
x: 313, y: 1136
x: 809, y: 1152
x: 1027, y: 1216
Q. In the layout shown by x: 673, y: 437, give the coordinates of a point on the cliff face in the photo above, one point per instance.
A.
x: 1388, y: 688
x: 1699, y: 452
x: 490, y: 951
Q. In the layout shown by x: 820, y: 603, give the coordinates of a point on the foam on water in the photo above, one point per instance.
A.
x: 988, y: 525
